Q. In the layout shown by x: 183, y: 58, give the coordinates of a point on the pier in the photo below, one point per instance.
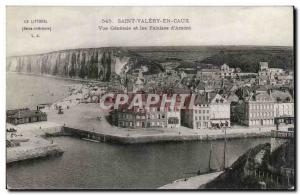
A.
x: 32, y: 145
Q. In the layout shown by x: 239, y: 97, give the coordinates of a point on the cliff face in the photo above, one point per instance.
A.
x: 95, y: 63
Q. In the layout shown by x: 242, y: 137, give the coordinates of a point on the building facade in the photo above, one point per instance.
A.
x: 219, y: 112
x: 283, y: 109
x: 257, y: 110
x: 139, y: 118
x: 211, y: 110
x: 22, y: 116
x: 198, y: 117
x: 226, y: 71
x: 154, y: 116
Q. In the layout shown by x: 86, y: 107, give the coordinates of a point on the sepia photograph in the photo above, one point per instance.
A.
x: 150, y: 98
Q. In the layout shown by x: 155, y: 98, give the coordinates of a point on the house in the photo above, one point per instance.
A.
x: 25, y: 115
x: 197, y: 117
x: 283, y: 107
x: 268, y: 75
x: 263, y: 66
x: 219, y: 112
x: 209, y: 110
x: 147, y: 117
x: 208, y: 73
x: 139, y: 118
x: 173, y: 117
x: 257, y: 109
x: 204, y: 87
x: 226, y: 71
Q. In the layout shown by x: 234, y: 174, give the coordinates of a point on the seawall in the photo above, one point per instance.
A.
x: 155, y: 138
x: 28, y: 153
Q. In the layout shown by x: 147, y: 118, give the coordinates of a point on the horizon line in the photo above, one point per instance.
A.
x: 229, y: 45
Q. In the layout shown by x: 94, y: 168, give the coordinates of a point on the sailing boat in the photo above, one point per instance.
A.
x: 210, y: 169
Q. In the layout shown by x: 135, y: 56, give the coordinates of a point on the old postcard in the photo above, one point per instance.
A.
x: 184, y: 98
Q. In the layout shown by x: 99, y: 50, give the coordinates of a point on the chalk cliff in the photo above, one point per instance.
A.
x: 92, y: 63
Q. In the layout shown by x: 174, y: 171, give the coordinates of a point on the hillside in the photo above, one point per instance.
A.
x: 248, y: 60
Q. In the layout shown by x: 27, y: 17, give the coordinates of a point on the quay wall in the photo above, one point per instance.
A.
x: 21, y: 154
x: 138, y: 139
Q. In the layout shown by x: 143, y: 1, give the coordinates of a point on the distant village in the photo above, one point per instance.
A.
x: 225, y: 97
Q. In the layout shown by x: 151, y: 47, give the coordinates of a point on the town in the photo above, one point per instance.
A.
x: 223, y: 97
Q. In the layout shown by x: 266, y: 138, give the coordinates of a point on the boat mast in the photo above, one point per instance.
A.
x: 209, y: 161
x: 224, y: 160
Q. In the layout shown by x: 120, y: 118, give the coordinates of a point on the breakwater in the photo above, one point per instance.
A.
x: 22, y: 154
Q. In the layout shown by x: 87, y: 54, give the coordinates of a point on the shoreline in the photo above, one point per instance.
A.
x: 57, y: 77
x: 191, y: 183
x: 42, y: 152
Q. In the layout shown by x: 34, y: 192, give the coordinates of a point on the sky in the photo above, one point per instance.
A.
x: 77, y: 27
